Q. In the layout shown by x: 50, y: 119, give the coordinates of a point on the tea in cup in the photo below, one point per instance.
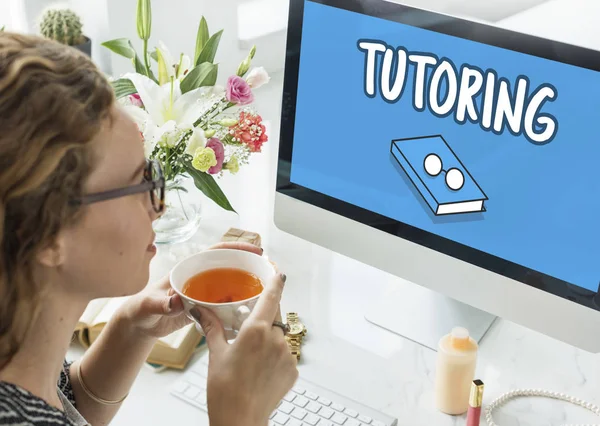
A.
x: 226, y: 281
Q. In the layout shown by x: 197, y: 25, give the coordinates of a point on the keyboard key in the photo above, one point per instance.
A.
x: 196, y: 379
x: 352, y: 422
x: 324, y: 401
x: 311, y: 395
x: 294, y: 422
x: 337, y: 407
x: 180, y: 387
x: 339, y: 419
x: 286, y: 407
x: 300, y: 401
x: 281, y: 418
x: 364, y: 419
x: 192, y: 392
x: 311, y: 419
x: 326, y: 413
x: 378, y: 423
x: 299, y: 413
x: 325, y: 423
x: 201, y: 398
x: 203, y: 370
x: 299, y: 390
x: 350, y: 413
x: 313, y: 407
x: 290, y: 397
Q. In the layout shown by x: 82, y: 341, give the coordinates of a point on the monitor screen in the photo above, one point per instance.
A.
x: 479, y: 142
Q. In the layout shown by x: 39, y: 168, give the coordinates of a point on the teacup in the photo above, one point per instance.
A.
x: 232, y: 314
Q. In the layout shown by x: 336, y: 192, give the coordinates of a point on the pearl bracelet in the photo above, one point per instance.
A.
x: 537, y: 392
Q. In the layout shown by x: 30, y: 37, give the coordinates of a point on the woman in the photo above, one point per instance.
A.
x: 63, y: 141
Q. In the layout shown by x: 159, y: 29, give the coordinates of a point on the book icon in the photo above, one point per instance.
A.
x: 438, y: 175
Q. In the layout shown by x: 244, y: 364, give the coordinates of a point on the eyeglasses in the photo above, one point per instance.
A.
x: 154, y: 182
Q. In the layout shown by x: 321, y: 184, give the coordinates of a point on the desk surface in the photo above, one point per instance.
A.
x: 342, y: 350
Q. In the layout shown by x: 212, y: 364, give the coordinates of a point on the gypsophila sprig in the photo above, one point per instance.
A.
x: 188, y: 122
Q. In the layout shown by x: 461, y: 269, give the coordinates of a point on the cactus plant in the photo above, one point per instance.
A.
x: 62, y: 25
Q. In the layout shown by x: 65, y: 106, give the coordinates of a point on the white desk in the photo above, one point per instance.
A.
x: 346, y: 353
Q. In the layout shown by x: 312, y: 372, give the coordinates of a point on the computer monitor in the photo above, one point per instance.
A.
x: 459, y: 156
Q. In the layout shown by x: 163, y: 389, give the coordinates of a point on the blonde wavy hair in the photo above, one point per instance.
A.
x: 53, y: 101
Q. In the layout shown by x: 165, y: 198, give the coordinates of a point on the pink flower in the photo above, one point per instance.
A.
x: 135, y: 100
x: 216, y: 145
x: 250, y: 131
x: 238, y: 91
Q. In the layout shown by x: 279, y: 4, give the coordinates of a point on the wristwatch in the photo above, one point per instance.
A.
x: 296, y: 334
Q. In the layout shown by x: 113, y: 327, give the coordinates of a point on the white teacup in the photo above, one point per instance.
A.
x: 232, y: 314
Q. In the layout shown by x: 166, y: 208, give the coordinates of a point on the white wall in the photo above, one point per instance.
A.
x: 12, y: 15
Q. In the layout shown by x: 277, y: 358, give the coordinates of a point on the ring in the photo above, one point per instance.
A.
x: 283, y: 326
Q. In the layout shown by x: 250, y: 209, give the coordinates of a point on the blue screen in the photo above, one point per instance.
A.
x: 517, y: 134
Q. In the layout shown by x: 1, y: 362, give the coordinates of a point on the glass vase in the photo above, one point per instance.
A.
x: 182, y: 215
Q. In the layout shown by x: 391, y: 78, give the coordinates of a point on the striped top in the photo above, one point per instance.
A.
x: 19, y: 407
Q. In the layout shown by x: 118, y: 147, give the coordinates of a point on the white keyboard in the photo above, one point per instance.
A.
x: 307, y: 404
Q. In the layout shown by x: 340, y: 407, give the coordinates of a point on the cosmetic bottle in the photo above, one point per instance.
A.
x: 455, y: 371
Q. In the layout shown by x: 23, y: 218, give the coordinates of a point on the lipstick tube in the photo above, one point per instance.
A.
x: 475, y: 403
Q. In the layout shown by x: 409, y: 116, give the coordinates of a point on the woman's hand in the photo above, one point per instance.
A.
x: 157, y: 311
x: 248, y: 378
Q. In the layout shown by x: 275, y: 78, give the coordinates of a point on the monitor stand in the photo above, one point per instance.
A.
x: 425, y: 316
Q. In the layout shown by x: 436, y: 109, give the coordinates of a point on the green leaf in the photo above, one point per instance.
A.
x: 154, y: 55
x: 121, y: 46
x: 209, y: 187
x: 123, y: 87
x: 201, y: 38
x: 200, y: 76
x: 211, y: 79
x: 140, y: 68
x: 209, y: 51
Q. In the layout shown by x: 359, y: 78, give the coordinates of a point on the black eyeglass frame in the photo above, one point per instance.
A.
x: 150, y: 185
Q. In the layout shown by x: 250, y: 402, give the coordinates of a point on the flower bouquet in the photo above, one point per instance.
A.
x: 193, y: 126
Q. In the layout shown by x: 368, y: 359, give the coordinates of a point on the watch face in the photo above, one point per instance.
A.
x: 296, y: 329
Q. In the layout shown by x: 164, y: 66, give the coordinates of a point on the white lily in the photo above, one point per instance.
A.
x: 168, y: 68
x: 166, y: 109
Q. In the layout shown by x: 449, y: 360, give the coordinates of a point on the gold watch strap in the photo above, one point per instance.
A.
x: 294, y: 342
x: 294, y: 345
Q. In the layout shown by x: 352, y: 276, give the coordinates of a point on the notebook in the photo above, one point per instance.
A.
x: 438, y: 175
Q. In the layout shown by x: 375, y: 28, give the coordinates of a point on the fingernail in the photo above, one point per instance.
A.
x: 283, y: 277
x: 195, y: 313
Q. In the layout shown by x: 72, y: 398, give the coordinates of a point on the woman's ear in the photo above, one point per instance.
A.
x: 53, y: 255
